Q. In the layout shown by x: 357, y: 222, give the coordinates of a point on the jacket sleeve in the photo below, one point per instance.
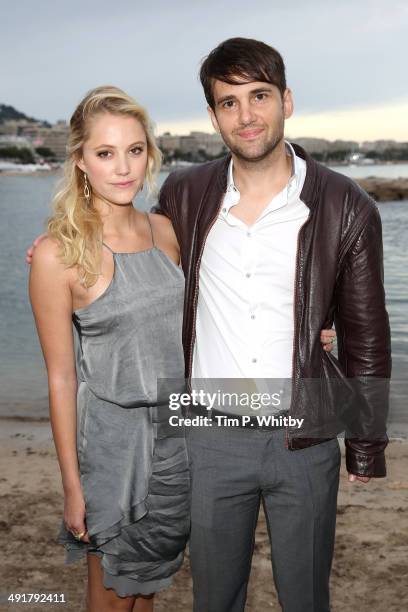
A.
x: 364, y: 344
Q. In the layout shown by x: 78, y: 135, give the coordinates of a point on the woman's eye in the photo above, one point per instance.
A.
x: 137, y: 150
x: 103, y: 154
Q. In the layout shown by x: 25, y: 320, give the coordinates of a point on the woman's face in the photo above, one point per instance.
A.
x: 115, y: 157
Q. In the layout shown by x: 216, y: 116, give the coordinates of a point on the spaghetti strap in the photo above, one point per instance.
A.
x: 151, y: 228
x: 108, y: 247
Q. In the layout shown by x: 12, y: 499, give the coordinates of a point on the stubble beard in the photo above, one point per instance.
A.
x: 268, y: 148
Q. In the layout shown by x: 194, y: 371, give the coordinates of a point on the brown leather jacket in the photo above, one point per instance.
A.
x: 339, y: 278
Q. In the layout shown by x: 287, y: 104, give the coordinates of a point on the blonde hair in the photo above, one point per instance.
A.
x: 75, y: 224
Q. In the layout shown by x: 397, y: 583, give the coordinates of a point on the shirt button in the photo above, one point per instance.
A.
x: 252, y: 316
x: 248, y: 275
x: 254, y: 360
x: 249, y: 234
x: 224, y: 210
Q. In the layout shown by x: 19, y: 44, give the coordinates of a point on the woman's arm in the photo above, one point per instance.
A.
x: 51, y: 301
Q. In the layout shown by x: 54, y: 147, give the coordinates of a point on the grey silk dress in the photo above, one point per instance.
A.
x: 133, y: 467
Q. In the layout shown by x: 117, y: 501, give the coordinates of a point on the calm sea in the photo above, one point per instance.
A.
x: 24, y: 205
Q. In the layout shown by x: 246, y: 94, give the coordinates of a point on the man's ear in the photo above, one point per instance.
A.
x: 213, y: 119
x: 287, y: 103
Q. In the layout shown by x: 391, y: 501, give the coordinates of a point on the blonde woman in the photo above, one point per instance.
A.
x: 113, y: 272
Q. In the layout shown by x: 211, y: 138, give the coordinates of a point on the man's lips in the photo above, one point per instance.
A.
x: 250, y: 133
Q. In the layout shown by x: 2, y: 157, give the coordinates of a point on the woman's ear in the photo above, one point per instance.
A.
x: 80, y: 163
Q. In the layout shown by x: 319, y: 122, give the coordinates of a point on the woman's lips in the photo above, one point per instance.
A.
x: 123, y: 185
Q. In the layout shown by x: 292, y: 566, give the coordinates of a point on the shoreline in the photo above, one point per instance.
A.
x: 380, y: 189
x: 29, y: 173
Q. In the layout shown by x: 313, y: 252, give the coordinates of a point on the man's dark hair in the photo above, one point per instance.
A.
x: 238, y: 59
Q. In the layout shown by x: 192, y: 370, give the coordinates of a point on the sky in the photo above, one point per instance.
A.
x: 345, y: 59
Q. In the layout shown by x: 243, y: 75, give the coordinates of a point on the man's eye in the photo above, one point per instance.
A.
x: 260, y: 97
x: 103, y: 154
x: 228, y: 104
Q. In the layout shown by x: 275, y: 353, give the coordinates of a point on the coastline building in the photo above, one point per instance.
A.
x: 14, y: 127
x: 30, y: 135
x: 212, y: 144
x: 18, y: 130
x: 19, y: 142
x: 192, y: 144
x: 322, y: 146
x: 168, y: 143
x: 56, y: 138
x: 382, y: 145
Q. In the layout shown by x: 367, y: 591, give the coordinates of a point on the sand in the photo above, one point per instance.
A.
x: 370, y: 570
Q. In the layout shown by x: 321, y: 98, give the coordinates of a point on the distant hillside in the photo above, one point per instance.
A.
x: 9, y: 113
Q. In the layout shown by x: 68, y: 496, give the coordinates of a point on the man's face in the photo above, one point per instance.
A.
x: 250, y: 117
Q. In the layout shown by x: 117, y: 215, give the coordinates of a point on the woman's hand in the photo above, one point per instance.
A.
x: 74, y: 514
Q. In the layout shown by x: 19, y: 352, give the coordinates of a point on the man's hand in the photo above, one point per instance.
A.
x: 30, y: 250
x: 353, y: 478
x: 327, y: 338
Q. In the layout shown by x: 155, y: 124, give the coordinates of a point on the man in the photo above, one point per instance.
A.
x: 275, y: 247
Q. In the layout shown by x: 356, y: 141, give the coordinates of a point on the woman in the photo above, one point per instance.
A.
x: 113, y: 271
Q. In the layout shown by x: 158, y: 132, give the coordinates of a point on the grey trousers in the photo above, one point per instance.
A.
x: 232, y: 471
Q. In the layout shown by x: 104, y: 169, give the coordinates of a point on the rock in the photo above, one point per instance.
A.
x: 385, y: 190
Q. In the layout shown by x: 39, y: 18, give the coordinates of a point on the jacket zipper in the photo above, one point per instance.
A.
x: 193, y: 337
x: 295, y: 325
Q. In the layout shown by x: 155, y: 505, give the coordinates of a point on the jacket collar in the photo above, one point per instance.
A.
x: 308, y: 193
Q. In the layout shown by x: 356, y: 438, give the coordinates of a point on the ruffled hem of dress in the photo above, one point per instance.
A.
x: 122, y: 584
x: 126, y: 587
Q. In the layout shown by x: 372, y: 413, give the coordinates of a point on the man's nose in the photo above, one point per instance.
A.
x: 246, y: 113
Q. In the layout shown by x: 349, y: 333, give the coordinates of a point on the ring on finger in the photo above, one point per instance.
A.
x: 78, y: 536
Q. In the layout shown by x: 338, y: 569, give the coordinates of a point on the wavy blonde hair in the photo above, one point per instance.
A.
x: 75, y: 224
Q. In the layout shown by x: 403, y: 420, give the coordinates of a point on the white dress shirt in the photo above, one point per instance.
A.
x: 245, y: 320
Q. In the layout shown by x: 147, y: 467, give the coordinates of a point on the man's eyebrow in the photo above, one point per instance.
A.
x: 109, y: 146
x: 258, y: 90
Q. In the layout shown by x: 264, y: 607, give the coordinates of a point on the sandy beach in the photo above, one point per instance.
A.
x: 370, y: 571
